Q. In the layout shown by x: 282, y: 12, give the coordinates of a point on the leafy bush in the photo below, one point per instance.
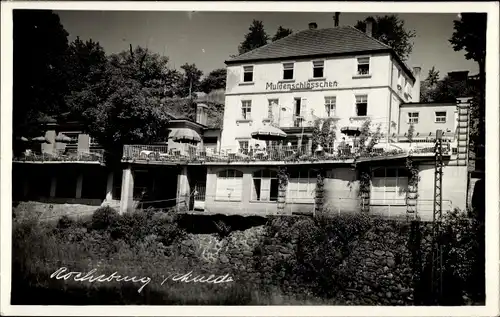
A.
x: 322, y: 244
x: 104, y: 217
x: 465, y: 259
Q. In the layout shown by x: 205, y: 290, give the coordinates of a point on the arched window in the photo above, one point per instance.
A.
x: 389, y: 186
x: 265, y: 185
x: 229, y: 185
x: 301, y: 186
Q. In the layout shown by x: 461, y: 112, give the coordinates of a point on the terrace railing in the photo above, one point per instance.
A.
x: 70, y: 155
x: 190, y: 153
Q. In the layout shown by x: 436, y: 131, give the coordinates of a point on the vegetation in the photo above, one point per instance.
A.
x: 390, y: 30
x: 255, y: 38
x: 281, y: 33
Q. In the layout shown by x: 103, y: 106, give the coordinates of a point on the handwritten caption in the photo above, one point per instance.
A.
x: 64, y: 273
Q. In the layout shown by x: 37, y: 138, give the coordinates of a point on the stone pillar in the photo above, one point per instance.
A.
x: 309, y: 146
x: 49, y: 148
x: 109, y: 186
x: 127, y: 195
x: 463, y: 105
x: 183, y: 190
x: 79, y: 185
x: 53, y: 185
x: 83, y: 143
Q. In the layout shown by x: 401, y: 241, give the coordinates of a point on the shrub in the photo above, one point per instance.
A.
x: 65, y: 222
x: 104, y: 217
x: 322, y: 244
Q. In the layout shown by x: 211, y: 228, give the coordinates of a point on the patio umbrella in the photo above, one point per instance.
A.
x: 351, y: 131
x: 62, y: 138
x: 185, y: 135
x: 268, y: 133
x: 40, y: 139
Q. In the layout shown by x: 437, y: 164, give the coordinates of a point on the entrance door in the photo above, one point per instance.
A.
x: 199, y: 181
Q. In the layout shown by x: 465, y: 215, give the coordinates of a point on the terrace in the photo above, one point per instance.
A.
x: 186, y: 153
x: 90, y: 156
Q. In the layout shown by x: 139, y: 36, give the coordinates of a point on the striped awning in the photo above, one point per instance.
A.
x: 184, y: 135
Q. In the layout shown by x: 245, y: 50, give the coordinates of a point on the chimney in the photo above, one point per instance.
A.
x: 313, y: 26
x: 336, y: 19
x: 201, y: 113
x: 416, y: 87
x: 369, y: 26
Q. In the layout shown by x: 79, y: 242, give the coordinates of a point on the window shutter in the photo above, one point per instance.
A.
x: 303, y: 107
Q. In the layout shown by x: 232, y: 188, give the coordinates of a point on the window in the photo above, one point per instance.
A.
x: 318, y: 68
x: 440, y: 116
x: 389, y: 186
x: 273, y: 103
x: 246, y: 109
x: 243, y: 147
x: 229, y: 185
x: 330, y: 106
x: 288, y: 71
x: 361, y: 105
x: 413, y: 117
x: 301, y: 186
x: 247, y: 74
x: 363, y: 66
x: 265, y: 185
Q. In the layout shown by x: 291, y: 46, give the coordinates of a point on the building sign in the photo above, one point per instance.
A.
x: 301, y: 85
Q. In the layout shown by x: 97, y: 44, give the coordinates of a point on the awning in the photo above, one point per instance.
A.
x: 268, y: 133
x: 351, y: 131
x: 184, y: 135
x: 63, y: 138
x: 40, y: 139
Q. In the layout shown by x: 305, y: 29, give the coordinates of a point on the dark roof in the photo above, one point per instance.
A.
x: 343, y: 40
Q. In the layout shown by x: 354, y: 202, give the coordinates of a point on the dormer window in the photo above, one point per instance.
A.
x: 363, y: 66
x: 288, y: 71
x: 247, y: 74
x: 318, y: 69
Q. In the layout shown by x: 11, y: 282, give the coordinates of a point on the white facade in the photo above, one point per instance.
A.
x: 377, y: 79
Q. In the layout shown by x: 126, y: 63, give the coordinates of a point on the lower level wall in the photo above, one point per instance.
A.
x: 454, y: 189
x: 55, y: 209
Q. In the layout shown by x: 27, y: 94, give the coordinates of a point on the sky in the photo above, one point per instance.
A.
x: 209, y: 38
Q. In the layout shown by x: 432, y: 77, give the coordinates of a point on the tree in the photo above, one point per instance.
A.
x: 428, y: 86
x: 85, y: 67
x: 190, y: 82
x: 216, y: 79
x: 281, y: 33
x: 128, y: 105
x: 470, y: 35
x: 390, y: 30
x: 39, y: 83
x: 257, y: 37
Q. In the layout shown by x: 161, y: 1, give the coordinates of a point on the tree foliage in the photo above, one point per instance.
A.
x: 39, y: 48
x: 470, y: 35
x: 255, y: 38
x: 281, y: 33
x: 216, y: 79
x: 191, y: 80
x: 128, y: 105
x: 390, y: 30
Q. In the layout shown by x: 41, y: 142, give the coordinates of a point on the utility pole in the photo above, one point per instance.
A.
x: 437, y: 248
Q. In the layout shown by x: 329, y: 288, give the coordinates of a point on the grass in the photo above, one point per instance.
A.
x: 40, y: 249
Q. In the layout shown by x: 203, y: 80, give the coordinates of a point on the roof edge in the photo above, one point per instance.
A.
x: 384, y: 50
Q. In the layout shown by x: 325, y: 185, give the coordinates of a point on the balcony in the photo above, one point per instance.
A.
x: 68, y: 156
x: 281, y: 153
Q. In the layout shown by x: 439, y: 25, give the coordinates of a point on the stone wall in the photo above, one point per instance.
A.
x: 55, y: 208
x: 379, y: 265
